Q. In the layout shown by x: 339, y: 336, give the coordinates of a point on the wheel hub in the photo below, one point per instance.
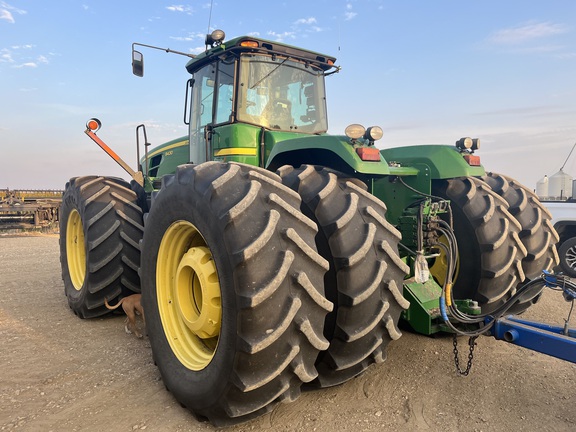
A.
x: 189, y: 296
x: 198, y: 293
x: 75, y: 250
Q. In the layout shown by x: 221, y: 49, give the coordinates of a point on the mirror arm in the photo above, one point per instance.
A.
x: 168, y: 50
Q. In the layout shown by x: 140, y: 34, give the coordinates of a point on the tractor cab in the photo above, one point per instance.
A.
x: 247, y: 94
x: 247, y: 86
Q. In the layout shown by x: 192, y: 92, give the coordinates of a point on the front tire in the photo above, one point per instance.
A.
x: 232, y: 290
x: 366, y: 274
x: 100, y: 231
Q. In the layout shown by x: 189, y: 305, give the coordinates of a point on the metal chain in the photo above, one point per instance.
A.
x: 472, y: 344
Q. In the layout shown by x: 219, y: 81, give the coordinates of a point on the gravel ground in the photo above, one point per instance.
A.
x: 60, y: 373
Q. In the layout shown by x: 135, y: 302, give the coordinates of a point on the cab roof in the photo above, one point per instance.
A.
x: 264, y: 46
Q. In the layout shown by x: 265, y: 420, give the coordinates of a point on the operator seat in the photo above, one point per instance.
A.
x: 278, y: 112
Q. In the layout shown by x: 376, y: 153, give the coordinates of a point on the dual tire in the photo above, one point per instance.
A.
x: 303, y: 265
x: 536, y: 232
x: 505, y: 239
x: 365, y: 277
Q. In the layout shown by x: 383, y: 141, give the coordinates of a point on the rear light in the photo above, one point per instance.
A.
x: 369, y: 154
x: 249, y: 44
x: 472, y: 160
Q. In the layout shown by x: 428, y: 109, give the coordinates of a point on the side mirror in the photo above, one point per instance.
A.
x: 137, y: 63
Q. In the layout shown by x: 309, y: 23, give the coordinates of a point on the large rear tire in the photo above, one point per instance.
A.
x: 537, y: 234
x: 490, y: 250
x: 100, y: 231
x: 366, y: 273
x: 232, y: 290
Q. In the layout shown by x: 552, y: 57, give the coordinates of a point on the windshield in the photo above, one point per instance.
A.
x: 281, y: 94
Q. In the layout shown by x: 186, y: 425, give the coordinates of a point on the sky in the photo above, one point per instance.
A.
x: 427, y: 72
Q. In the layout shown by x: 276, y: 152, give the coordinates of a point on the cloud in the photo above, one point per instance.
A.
x: 182, y: 38
x: 26, y: 65
x: 7, y: 16
x: 281, y: 37
x: 526, y: 32
x: 190, y: 37
x: 7, y: 12
x: 6, y: 56
x: 16, y: 60
x: 180, y: 8
x: 307, y: 21
x: 349, y: 14
x: 310, y: 24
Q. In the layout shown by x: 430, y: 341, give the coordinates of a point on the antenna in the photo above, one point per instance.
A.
x: 209, y: 17
x: 338, y: 35
x: 562, y: 167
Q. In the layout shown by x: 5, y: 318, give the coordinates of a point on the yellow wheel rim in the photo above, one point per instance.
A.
x: 438, y: 268
x: 76, y: 250
x: 188, y: 292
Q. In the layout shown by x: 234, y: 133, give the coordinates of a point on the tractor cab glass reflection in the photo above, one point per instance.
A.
x: 281, y: 94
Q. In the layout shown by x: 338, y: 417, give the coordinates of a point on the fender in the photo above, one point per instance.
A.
x: 444, y: 161
x: 336, y: 152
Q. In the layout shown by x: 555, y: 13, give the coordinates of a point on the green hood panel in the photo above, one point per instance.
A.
x: 164, y: 158
x: 444, y: 161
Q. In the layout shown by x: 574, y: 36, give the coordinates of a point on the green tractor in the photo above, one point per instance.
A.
x: 273, y: 257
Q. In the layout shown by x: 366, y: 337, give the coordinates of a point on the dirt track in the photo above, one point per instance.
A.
x: 60, y: 373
